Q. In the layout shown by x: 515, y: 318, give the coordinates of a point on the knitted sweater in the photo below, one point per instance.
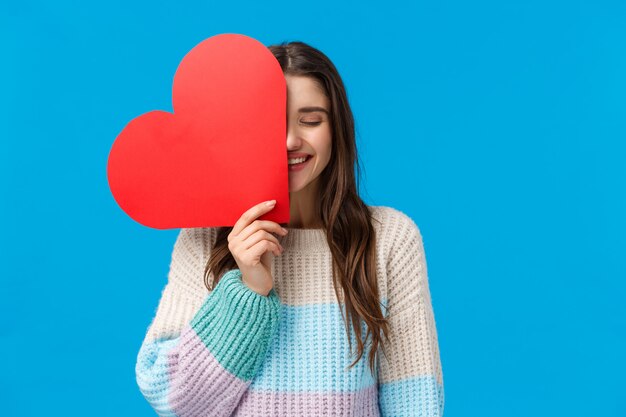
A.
x: 234, y: 352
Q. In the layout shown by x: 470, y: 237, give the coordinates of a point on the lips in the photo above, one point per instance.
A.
x: 297, y: 155
x: 299, y: 166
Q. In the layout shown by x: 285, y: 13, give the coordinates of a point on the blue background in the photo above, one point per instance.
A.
x: 499, y: 127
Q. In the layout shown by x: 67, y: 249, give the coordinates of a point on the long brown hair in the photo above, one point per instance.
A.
x: 346, y: 219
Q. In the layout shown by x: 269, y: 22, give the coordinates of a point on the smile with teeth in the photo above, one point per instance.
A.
x: 297, y: 160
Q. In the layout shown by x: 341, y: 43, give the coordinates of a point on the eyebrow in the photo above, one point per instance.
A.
x: 312, y: 109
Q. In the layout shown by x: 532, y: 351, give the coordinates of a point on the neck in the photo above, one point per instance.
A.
x: 302, y: 214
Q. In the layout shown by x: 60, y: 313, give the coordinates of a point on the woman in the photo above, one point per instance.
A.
x: 265, y: 332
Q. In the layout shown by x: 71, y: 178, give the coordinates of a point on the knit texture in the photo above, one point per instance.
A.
x: 234, y: 352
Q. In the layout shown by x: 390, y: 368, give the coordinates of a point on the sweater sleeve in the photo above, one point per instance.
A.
x: 198, y: 358
x: 410, y: 378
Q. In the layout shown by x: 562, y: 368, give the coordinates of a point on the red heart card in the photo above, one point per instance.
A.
x: 220, y: 152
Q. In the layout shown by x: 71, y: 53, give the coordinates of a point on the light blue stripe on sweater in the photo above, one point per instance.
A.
x: 152, y: 374
x: 311, y: 351
x: 395, y: 397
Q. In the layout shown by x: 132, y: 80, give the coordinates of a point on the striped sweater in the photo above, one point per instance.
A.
x: 234, y: 352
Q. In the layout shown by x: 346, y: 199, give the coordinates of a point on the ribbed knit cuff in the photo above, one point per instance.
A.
x: 237, y: 324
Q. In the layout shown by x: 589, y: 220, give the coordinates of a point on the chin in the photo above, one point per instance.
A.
x: 296, y: 188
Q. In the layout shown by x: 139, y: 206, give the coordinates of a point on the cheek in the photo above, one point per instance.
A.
x: 324, y: 143
x: 325, y: 154
x: 328, y: 146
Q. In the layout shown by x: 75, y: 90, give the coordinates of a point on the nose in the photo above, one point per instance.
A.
x: 293, y: 141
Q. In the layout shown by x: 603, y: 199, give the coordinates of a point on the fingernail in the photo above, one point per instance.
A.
x: 285, y: 230
x: 271, y: 202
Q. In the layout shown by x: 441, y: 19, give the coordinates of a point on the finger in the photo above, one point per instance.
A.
x: 266, y: 258
x: 266, y: 225
x: 262, y: 247
x: 258, y: 236
x: 250, y: 215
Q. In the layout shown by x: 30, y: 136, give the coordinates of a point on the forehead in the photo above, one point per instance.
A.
x: 303, y: 90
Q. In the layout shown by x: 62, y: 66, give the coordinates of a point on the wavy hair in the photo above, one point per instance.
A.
x: 345, y: 217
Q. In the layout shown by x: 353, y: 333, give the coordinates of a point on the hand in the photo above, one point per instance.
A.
x: 253, y: 245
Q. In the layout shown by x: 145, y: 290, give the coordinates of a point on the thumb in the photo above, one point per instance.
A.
x: 267, y: 258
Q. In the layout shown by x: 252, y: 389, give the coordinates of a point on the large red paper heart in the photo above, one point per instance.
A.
x: 220, y: 152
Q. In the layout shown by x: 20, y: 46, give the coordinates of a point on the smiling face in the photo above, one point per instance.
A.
x: 308, y: 130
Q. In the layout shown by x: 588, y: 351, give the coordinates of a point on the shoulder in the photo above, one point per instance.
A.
x: 394, y: 228
x: 401, y: 256
x: 391, y: 216
x: 190, y: 254
x: 195, y: 242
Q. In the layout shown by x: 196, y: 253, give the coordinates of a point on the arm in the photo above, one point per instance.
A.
x: 410, y: 381
x: 200, y: 360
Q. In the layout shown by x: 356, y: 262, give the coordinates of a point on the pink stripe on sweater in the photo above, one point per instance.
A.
x: 362, y: 403
x: 198, y: 382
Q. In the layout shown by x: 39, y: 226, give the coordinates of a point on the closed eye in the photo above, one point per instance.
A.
x: 311, y: 123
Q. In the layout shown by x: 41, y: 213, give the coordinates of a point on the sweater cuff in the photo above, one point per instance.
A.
x: 237, y: 324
